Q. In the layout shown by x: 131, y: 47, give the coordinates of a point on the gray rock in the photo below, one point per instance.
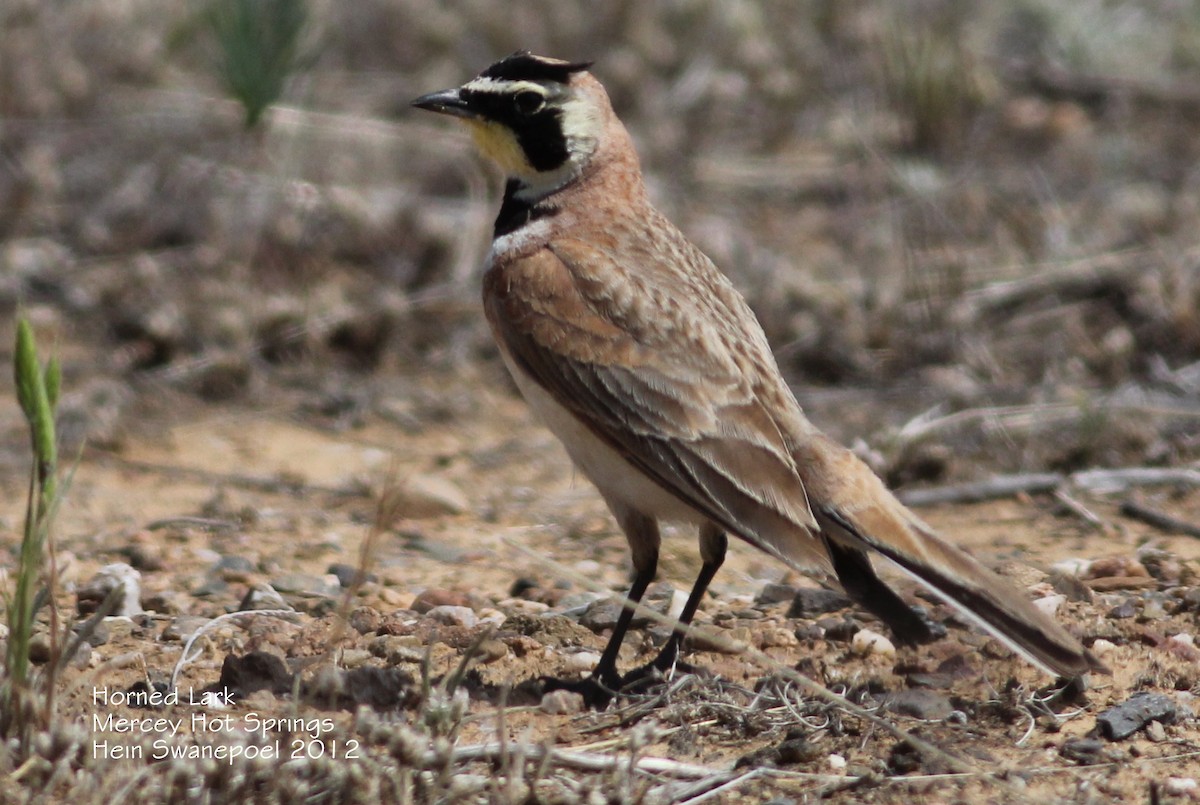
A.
x: 919, y: 703
x: 1124, y: 610
x: 775, y: 594
x: 302, y: 584
x: 181, y: 628
x: 1133, y: 714
x: 395, y: 649
x: 839, y: 630
x: 809, y: 603
x: 262, y: 596
x: 236, y: 566
x: 345, y: 573
x: 210, y: 588
x: 603, y: 614
x: 1084, y: 751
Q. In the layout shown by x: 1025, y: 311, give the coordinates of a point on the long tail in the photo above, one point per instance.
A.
x: 857, y: 514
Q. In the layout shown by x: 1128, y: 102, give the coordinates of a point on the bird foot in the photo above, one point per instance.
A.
x: 601, y: 688
x: 597, y: 690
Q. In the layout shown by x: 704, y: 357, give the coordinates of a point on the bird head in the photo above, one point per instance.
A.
x: 539, y: 119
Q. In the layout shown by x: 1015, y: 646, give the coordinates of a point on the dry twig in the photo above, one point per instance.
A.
x: 1159, y: 520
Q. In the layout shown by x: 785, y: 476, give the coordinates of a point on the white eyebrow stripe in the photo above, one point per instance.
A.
x: 499, y: 86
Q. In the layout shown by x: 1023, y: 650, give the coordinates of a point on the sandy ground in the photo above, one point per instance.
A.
x: 485, y: 495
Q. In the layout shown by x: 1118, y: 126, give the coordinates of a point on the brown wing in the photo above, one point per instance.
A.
x: 670, y: 396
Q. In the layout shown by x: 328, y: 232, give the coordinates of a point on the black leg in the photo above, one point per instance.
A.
x: 713, y: 544
x: 605, y: 682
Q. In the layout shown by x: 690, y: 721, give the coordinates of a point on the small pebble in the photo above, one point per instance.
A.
x: 453, y: 616
x: 574, y: 605
x: 394, y: 649
x: 867, y: 641
x: 518, y: 606
x: 365, y: 620
x: 1073, y: 587
x: 354, y: 657
x: 1084, y: 751
x: 426, y: 496
x: 303, y: 584
x: 1116, y: 566
x: 1153, y: 609
x: 603, y: 614
x: 492, y: 616
x: 1123, y: 611
x: 437, y: 597
x: 588, y: 567
x: 1049, y: 604
x: 1156, y: 732
x: 837, y: 762
x: 809, y: 603
x: 580, y: 661
x: 1179, y: 786
x: 260, y: 597
x: 233, y: 568
x: 775, y: 594
x: 919, y: 703
x: 839, y: 630
x: 1072, y: 567
x: 675, y: 606
x: 1100, y: 646
x: 491, y: 650
x: 776, y: 638
x: 92, y: 594
x: 346, y: 573
x: 183, y: 627
x: 562, y: 703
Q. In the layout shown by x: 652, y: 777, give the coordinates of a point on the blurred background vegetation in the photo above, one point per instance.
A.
x: 969, y: 229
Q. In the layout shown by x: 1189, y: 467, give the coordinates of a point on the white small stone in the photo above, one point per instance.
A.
x: 581, y: 661
x: 493, y: 616
x: 588, y: 567
x: 1184, y: 638
x: 524, y: 606
x: 837, y: 762
x: 1072, y: 567
x: 109, y: 578
x: 678, y: 602
x: 424, y: 496
x: 1178, y: 786
x: 1049, y: 604
x: 1102, y: 646
x: 870, y: 642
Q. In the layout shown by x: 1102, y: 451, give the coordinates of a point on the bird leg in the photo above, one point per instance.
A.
x: 713, y: 543
x: 605, y: 682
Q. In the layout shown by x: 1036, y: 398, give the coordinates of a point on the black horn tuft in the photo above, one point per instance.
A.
x: 524, y: 66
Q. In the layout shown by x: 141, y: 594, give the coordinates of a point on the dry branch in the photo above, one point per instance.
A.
x: 1001, y: 486
x: 1159, y: 520
x: 1094, y: 481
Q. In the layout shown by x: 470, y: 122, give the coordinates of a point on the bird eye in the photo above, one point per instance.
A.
x: 529, y: 102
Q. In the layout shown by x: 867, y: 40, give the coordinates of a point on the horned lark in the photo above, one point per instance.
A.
x: 637, y: 352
